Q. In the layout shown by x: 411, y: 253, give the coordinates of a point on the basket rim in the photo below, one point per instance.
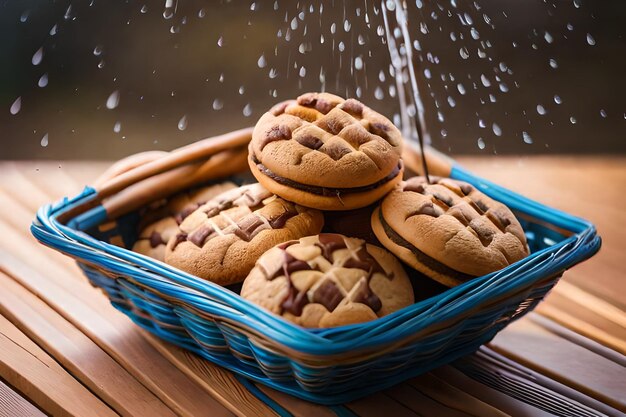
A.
x: 454, y: 303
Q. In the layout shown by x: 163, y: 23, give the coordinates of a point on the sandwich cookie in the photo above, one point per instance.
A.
x: 325, y: 152
x: 448, y: 230
x: 223, y: 238
x: 328, y: 280
x: 153, y: 237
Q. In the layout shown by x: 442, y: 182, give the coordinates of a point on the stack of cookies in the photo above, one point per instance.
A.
x: 322, y: 159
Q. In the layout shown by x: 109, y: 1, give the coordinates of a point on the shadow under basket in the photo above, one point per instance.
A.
x: 326, y: 366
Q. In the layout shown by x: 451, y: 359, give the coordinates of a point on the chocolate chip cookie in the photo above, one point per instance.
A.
x: 448, y: 230
x: 223, y: 238
x: 328, y: 280
x: 325, y: 152
x: 154, y: 236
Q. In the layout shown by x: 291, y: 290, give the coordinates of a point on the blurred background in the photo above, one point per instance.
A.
x: 95, y: 79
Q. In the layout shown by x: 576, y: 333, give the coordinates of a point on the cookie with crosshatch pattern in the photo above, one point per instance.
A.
x: 325, y: 152
x: 223, y: 238
x: 328, y: 280
x: 154, y: 237
x: 448, y: 230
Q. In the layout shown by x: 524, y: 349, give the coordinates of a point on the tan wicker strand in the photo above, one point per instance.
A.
x: 222, y: 164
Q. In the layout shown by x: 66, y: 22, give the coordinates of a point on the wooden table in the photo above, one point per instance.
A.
x: 64, y: 350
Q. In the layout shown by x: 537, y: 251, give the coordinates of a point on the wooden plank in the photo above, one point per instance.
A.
x: 567, y: 363
x: 297, y: 407
x: 91, y: 313
x: 220, y: 383
x: 421, y: 404
x: 497, y: 399
x: 31, y: 371
x: 13, y: 404
x: 379, y: 404
x: 77, y: 353
x: 453, y: 397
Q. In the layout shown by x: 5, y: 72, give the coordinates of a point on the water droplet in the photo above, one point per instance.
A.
x: 221, y: 79
x: 378, y: 93
x: 527, y: 138
x: 464, y: 53
x: 380, y: 31
x: 461, y: 88
x: 419, y: 4
x: 603, y: 113
x: 168, y: 13
x: 273, y: 73
x: 440, y: 117
x: 451, y: 102
x: 37, y: 56
x: 427, y: 74
x: 220, y: 42
x: 201, y: 13
x: 577, y: 3
x: 97, y: 51
x: 557, y: 99
x: 444, y: 133
x: 44, y: 140
x: 242, y: 90
x: 553, y: 63
x: 174, y: 29
x: 481, y: 143
x: 341, y: 46
x: 294, y: 23
x: 474, y: 33
x: 182, y: 123
x: 358, y: 63
x: 590, y: 40
x: 114, y: 100
x: 302, y: 72
x: 485, y: 80
x: 117, y: 127
x: 548, y: 37
x: 218, y: 104
x: 24, y: 16
x: 361, y: 40
x: 346, y: 26
x: 504, y: 88
x: 541, y: 110
x: 247, y: 110
x: 53, y: 30
x: 496, y: 129
x: 570, y: 27
x: 101, y: 64
x: 503, y: 67
x: 424, y: 28
x: 481, y: 123
x: 43, y: 80
x: 261, y: 62
x: 381, y: 76
x: 492, y: 98
x: 68, y: 13
x: 144, y: 8
x: 253, y: 6
x: 16, y: 106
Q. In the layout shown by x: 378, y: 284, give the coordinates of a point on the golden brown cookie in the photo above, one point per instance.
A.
x: 325, y: 152
x: 153, y: 237
x: 448, y: 230
x: 328, y: 280
x: 223, y: 238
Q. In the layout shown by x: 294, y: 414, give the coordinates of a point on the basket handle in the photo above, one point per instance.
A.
x: 126, y: 164
x: 183, y: 167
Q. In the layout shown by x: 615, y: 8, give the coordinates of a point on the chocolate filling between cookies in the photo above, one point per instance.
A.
x: 422, y: 258
x: 324, y: 191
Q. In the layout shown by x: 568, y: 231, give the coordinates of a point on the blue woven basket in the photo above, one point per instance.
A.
x: 327, y: 366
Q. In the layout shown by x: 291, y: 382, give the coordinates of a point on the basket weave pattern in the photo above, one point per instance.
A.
x: 324, y: 365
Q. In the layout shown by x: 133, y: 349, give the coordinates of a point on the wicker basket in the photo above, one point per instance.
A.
x: 327, y: 366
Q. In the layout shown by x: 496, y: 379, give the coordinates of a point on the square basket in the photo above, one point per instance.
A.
x: 326, y: 366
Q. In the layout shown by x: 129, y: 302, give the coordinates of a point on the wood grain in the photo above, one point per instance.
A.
x: 13, y: 404
x: 77, y: 353
x: 220, y: 383
x: 30, y: 370
x: 546, y: 353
